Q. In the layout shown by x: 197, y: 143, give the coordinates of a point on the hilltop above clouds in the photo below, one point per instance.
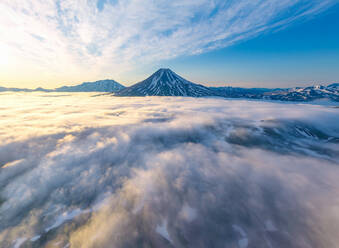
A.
x: 165, y: 82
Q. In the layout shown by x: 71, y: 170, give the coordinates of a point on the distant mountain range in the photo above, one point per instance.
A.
x: 97, y: 86
x: 311, y: 93
x: 165, y: 82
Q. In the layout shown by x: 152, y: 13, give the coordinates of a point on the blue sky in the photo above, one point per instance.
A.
x: 302, y: 54
x: 251, y: 43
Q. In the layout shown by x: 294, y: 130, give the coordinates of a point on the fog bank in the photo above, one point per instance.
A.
x: 81, y: 170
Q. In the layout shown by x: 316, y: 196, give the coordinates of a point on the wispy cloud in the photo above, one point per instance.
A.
x: 77, y: 36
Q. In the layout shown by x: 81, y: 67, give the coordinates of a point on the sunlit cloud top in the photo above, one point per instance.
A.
x: 67, y: 39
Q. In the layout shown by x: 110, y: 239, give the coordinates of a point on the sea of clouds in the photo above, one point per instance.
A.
x: 86, y: 170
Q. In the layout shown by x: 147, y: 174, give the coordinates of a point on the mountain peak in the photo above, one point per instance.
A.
x: 107, y: 85
x: 164, y: 76
x: 164, y: 69
x: 165, y: 82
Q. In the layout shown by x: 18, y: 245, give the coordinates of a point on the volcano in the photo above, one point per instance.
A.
x: 165, y: 82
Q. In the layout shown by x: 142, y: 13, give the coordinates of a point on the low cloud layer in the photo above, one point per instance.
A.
x: 101, y: 171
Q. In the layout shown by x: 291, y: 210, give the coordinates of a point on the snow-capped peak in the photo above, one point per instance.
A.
x: 165, y: 82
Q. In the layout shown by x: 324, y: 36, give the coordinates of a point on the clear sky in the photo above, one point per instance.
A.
x: 251, y: 43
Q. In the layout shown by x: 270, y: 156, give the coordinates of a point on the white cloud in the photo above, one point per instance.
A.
x: 73, y: 37
x: 107, y: 171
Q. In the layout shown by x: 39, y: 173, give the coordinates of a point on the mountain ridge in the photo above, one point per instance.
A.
x: 165, y: 82
x: 106, y: 85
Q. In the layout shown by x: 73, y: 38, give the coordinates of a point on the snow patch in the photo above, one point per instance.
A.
x: 162, y: 230
x: 243, y: 242
x: 65, y: 217
x: 35, y: 238
x: 18, y: 242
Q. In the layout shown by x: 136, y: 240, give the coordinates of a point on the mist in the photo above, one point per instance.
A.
x: 86, y: 170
